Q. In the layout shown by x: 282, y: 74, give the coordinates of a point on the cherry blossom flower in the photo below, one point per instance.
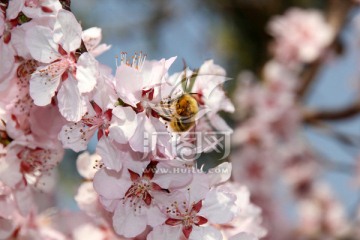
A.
x: 86, y: 197
x: 300, y: 35
x: 33, y: 9
x: 132, y: 194
x: 322, y: 214
x: 63, y: 73
x: 28, y: 163
x: 248, y: 219
x: 191, y: 210
x: 141, y: 94
x: 92, y: 38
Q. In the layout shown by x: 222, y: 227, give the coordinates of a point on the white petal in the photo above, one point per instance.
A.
x: 220, y: 174
x: 10, y: 172
x: 155, y: 217
x: 71, y: 103
x: 128, y: 84
x: 110, y: 184
x: 111, y: 156
x: 2, y: 23
x: 18, y: 35
x: 154, y: 72
x: 6, y: 228
x: 220, y: 124
x: 205, y: 233
x: 218, y: 202
x: 44, y: 83
x: 124, y: 124
x: 243, y: 236
x: 91, y: 37
x: 38, y: 14
x: 41, y: 44
x: 170, y: 177
x: 85, y: 164
x: 86, y: 72
x: 165, y: 232
x: 14, y: 8
x: 25, y: 201
x: 145, y: 133
x: 128, y: 223
x: 7, y: 64
x: 88, y: 231
x: 76, y: 136
x: 67, y: 31
x: 99, y: 50
x: 87, y: 199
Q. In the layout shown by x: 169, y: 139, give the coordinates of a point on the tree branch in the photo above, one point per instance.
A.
x: 311, y: 116
x: 66, y: 4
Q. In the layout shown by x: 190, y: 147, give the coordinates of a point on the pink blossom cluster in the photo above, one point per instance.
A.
x: 271, y: 151
x: 56, y: 95
x: 301, y: 36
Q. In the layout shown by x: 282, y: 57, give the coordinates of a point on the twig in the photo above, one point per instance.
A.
x: 312, y: 116
x: 66, y: 4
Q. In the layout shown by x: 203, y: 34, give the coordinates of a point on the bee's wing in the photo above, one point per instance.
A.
x: 165, y: 110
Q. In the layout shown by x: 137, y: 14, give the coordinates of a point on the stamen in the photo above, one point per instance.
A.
x: 137, y: 61
x: 123, y: 57
x: 116, y: 60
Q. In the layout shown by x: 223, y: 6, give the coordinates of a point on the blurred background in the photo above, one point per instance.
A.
x: 233, y: 33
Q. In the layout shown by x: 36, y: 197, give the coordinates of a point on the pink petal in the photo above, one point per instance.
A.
x: 6, y: 228
x: 176, y: 179
x: 110, y: 184
x: 86, y: 72
x: 85, y: 164
x: 165, y: 232
x: 76, y: 136
x: 41, y: 44
x: 44, y: 83
x: 112, y: 156
x: 7, y: 65
x: 123, y: 125
x: 218, y: 202
x: 67, y: 31
x: 14, y: 8
x: 244, y: 236
x: 220, y: 174
x: 25, y: 201
x: 128, y: 84
x: 128, y: 223
x: 145, y: 131
x: 71, y: 103
x: 10, y: 171
x: 205, y: 232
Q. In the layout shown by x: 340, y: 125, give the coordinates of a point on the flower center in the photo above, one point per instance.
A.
x: 138, y: 194
x: 186, y: 216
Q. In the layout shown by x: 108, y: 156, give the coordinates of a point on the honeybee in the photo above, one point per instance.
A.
x: 180, y: 112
